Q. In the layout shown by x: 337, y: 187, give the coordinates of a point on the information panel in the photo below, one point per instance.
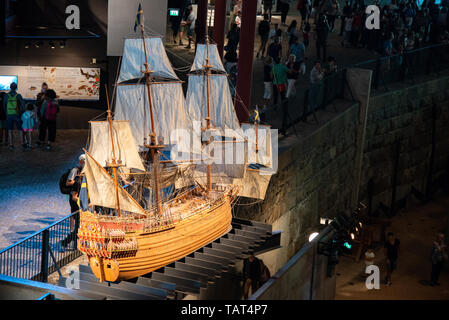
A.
x: 70, y: 83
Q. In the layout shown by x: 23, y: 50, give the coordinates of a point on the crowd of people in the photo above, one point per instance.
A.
x: 17, y: 116
x: 403, y: 26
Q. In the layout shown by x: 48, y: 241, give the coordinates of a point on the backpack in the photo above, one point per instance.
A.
x: 52, y: 110
x: 12, y: 105
x: 62, y: 183
x: 264, y: 272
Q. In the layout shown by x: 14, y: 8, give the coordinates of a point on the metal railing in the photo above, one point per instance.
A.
x: 407, y: 65
x: 386, y: 70
x: 44, y: 252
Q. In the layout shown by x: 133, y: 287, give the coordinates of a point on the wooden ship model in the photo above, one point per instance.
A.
x: 148, y: 206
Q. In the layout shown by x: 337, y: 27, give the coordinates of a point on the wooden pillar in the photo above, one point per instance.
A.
x: 245, y: 63
x: 219, y: 24
x: 201, y: 20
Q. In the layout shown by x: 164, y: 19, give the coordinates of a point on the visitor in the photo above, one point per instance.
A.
x: 279, y: 74
x: 13, y: 106
x: 292, y: 75
x: 275, y: 49
x: 40, y: 98
x: 267, y: 82
x: 48, y: 111
x: 333, y: 12
x: 316, y: 74
x: 304, y: 8
x: 251, y: 273
x: 284, y: 8
x: 3, y: 123
x: 190, y: 25
x: 391, y: 251
x: 299, y: 50
x: 74, y: 180
x: 438, y: 256
x: 347, y: 30
x: 175, y: 22
x: 184, y: 18
x: 356, y: 28
x: 275, y: 32
x: 263, y: 30
x: 347, y: 11
x: 29, y: 121
x: 292, y: 32
x: 389, y: 50
x: 233, y: 37
x: 322, y: 31
x: 331, y: 66
x: 267, y: 8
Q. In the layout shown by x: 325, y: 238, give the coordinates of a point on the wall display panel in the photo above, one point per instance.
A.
x: 70, y: 83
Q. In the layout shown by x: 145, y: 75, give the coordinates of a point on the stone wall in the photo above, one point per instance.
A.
x: 404, y: 116
x: 316, y: 174
x: 314, y: 179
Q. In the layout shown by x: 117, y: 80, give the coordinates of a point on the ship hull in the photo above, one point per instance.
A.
x: 156, y: 250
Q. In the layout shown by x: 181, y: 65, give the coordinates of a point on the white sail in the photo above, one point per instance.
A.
x: 100, y: 146
x: 101, y: 189
x: 171, y: 122
x: 220, y: 100
x: 133, y: 60
x: 259, y: 146
x: 214, y: 58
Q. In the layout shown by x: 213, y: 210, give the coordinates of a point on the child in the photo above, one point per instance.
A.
x: 28, y: 123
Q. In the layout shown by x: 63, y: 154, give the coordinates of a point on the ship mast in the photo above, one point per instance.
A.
x: 153, y: 146
x: 114, y: 164
x: 208, y: 67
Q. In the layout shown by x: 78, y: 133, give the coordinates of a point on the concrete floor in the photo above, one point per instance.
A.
x: 416, y: 229
x: 29, y: 185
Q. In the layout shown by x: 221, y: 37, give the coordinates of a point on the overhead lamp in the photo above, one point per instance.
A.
x: 38, y: 44
x: 27, y: 45
x: 62, y: 44
x: 352, y: 236
x: 52, y: 44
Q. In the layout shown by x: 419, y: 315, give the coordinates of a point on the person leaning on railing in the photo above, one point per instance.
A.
x: 74, y: 180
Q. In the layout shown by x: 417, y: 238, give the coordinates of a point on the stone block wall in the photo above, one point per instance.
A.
x: 405, y: 116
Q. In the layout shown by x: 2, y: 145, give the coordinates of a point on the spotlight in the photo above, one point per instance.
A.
x: 62, y: 44
x: 27, y: 45
x: 360, y: 224
x: 52, y: 44
x: 352, y: 236
x: 38, y: 44
x: 312, y: 236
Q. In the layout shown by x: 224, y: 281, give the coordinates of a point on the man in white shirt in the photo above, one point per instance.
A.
x: 191, y: 25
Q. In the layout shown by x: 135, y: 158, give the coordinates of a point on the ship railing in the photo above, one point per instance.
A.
x: 42, y: 253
